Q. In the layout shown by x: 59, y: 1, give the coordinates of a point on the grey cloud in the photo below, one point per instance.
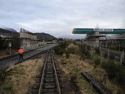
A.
x: 59, y: 17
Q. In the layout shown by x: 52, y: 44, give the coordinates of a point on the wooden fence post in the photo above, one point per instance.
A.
x: 101, y: 56
x: 91, y: 51
x: 119, y: 47
x: 122, y: 57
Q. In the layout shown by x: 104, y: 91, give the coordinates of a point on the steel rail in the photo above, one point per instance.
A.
x: 59, y: 91
x: 43, y: 73
x: 42, y: 78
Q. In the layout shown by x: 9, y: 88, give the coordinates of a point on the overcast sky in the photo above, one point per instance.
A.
x: 59, y: 17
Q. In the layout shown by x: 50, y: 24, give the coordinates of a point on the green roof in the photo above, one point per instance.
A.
x: 101, y: 31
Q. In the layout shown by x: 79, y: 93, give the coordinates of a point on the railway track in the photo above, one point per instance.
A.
x: 6, y: 62
x: 49, y: 80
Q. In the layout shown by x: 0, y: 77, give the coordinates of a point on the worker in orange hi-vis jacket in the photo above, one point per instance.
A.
x: 20, y: 53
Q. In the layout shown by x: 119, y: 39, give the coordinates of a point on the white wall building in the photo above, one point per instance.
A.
x: 28, y: 40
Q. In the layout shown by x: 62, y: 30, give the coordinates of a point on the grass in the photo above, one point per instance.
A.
x: 74, y: 65
x: 114, y: 73
x: 20, y: 78
x: 5, y: 53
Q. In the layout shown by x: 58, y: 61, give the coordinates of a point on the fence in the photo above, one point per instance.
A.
x: 117, y: 55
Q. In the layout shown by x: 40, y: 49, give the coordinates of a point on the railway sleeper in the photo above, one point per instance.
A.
x: 36, y: 86
x: 49, y: 75
x: 49, y: 64
x: 58, y: 72
x: 50, y: 93
x: 49, y: 80
x: 45, y: 91
x: 49, y: 72
x: 37, y: 80
x: 49, y: 85
x: 34, y: 91
x: 49, y: 69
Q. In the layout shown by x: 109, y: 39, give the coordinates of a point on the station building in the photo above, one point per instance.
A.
x: 28, y: 40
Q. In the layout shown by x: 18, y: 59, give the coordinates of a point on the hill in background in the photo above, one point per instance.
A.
x: 9, y: 32
x: 41, y: 36
x: 45, y: 36
x: 9, y: 29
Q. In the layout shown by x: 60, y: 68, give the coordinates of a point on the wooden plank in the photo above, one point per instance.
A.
x: 98, y: 86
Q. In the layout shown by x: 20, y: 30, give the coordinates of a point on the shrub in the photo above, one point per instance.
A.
x: 74, y: 43
x: 87, y: 53
x: 82, y: 56
x: 115, y: 71
x: 97, y: 61
x: 117, y: 47
x: 97, y: 50
x: 82, y: 51
x: 105, y: 55
x: 71, y: 50
x: 82, y: 48
x: 59, y: 50
x: 89, y: 47
x: 67, y: 54
x: 122, y: 48
x: 104, y: 64
x: 3, y: 74
x: 111, y: 56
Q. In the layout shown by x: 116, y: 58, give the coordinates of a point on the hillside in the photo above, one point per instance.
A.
x: 9, y: 32
x: 2, y: 30
x: 45, y: 36
x: 9, y: 29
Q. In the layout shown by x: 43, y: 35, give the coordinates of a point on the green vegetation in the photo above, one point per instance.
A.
x: 97, y: 61
x: 59, y: 50
x: 85, y: 51
x: 115, y: 71
x: 111, y: 56
x: 109, y: 73
x: 105, y: 55
x: 3, y: 75
x: 19, y: 79
x: 97, y: 50
x: 6, y: 85
x: 121, y: 48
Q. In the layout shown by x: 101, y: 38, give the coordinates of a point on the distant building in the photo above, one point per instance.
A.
x: 28, y: 40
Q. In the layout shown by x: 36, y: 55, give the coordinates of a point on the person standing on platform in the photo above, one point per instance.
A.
x: 20, y: 54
